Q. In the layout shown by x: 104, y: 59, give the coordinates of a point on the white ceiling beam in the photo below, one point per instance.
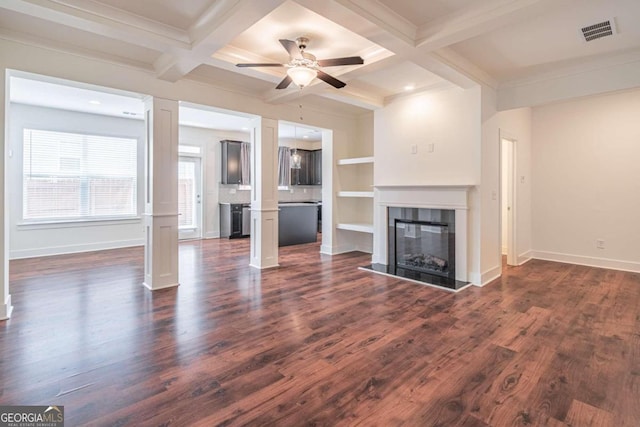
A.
x: 116, y: 26
x: 51, y: 44
x: 465, y: 67
x: 217, y: 27
x: 383, y: 17
x: 472, y: 22
x: 363, y: 16
x: 356, y: 97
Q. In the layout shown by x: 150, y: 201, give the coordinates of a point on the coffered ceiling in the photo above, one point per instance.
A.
x: 407, y: 45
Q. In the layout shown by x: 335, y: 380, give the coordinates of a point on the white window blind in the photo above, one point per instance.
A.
x: 76, y: 176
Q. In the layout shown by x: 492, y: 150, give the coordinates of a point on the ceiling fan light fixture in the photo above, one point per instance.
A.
x: 302, y: 75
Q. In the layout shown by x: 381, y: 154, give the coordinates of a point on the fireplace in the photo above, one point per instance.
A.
x: 421, y: 242
x: 421, y: 233
x: 424, y: 246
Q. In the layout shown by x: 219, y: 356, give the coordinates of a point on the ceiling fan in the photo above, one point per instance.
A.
x: 303, y: 67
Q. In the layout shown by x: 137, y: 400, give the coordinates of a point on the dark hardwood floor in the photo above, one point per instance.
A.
x: 319, y: 342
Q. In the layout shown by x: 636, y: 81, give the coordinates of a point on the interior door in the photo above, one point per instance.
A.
x: 189, y: 198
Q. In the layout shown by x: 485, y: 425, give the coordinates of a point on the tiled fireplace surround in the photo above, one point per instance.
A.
x: 425, y: 197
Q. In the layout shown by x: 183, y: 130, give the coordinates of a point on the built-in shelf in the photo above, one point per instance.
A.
x: 355, y: 161
x: 363, y: 228
x: 366, y: 194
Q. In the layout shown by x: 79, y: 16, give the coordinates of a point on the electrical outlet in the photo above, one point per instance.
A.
x: 430, y: 147
x: 232, y: 191
x: 600, y: 243
x: 414, y: 149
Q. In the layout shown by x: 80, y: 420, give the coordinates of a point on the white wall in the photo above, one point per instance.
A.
x: 449, y: 120
x: 39, y: 60
x: 41, y: 239
x: 506, y: 174
x: 453, y: 121
x: 586, y: 181
x: 209, y: 142
x: 516, y: 126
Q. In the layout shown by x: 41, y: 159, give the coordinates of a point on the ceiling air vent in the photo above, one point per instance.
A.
x: 599, y: 30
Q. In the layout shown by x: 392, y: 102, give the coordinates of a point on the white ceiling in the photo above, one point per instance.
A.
x: 425, y: 44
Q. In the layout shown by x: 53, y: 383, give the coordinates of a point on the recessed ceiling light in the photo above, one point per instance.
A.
x: 306, y: 136
x: 245, y: 128
x: 409, y: 87
x: 95, y: 102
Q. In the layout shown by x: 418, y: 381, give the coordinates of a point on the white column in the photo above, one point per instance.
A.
x: 161, y: 194
x: 5, y: 297
x: 329, y: 170
x: 264, y: 193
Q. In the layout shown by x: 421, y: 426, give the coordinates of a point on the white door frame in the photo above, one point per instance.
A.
x: 194, y: 233
x: 512, y: 254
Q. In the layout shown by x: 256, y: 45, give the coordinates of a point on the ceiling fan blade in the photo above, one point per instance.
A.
x: 260, y: 65
x: 350, y: 60
x: 331, y: 80
x: 284, y: 83
x: 291, y: 47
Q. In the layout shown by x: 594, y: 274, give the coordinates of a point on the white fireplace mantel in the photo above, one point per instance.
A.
x: 453, y: 197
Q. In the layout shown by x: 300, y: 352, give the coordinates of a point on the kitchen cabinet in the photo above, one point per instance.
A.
x: 316, y: 160
x: 298, y: 223
x: 231, y: 163
x: 310, y: 172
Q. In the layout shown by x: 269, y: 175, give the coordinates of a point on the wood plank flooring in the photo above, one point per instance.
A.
x: 318, y: 342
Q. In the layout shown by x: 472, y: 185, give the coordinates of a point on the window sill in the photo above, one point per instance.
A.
x: 43, y: 225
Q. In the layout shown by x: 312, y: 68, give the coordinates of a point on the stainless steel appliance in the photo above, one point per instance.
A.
x: 246, y: 220
x: 235, y: 220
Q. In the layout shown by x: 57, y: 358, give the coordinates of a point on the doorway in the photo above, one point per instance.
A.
x: 189, y: 198
x: 507, y: 200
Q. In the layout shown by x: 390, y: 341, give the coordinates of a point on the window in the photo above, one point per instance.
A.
x: 68, y: 176
x: 187, y: 194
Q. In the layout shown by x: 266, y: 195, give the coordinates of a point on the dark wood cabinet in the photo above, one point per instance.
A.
x: 310, y: 172
x: 316, y: 160
x: 230, y: 160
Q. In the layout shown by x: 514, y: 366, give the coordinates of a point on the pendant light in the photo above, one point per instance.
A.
x: 296, y: 159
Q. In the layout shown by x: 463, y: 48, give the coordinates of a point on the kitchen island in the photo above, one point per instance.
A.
x: 297, y: 223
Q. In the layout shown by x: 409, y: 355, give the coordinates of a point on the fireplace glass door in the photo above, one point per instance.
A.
x: 422, y: 246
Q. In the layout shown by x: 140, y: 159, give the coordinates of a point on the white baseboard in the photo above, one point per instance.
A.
x: 6, y: 309
x: 613, y: 264
x: 212, y: 235
x: 488, y: 276
x: 524, y: 257
x: 475, y: 279
x: 365, y: 249
x: 71, y: 249
x: 336, y: 250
